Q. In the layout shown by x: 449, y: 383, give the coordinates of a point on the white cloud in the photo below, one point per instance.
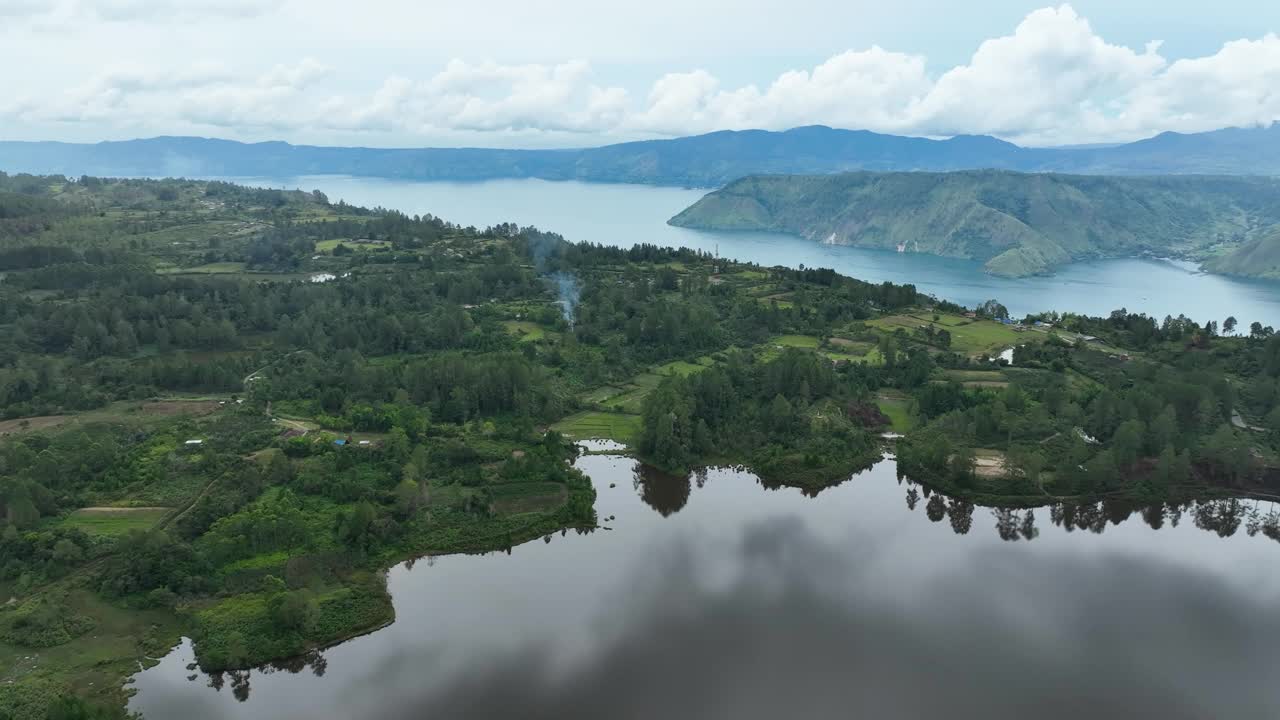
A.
x: 1052, y: 80
x: 53, y: 12
x: 1052, y: 75
x: 1238, y: 86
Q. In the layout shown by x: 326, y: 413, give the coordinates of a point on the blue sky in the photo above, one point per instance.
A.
x: 582, y: 72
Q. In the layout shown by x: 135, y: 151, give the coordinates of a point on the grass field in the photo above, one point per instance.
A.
x: 219, y: 268
x: 679, y: 367
x: 972, y: 337
x: 602, y: 394
x: 525, y: 330
x: 799, y: 341
x: 113, y: 521
x: 328, y: 246
x: 898, y: 409
x: 851, y: 347
x: 592, y: 424
x: 93, y: 665
x: 117, y: 412
x: 515, y: 498
x: 977, y: 378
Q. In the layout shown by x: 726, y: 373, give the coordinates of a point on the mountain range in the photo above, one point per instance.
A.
x: 709, y: 160
x: 1016, y: 223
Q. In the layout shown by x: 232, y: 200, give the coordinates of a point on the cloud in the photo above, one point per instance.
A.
x: 1053, y: 73
x: 1052, y: 80
x: 52, y: 13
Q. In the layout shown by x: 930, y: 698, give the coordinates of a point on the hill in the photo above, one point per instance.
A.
x: 1018, y: 224
x: 1257, y: 258
x: 708, y: 160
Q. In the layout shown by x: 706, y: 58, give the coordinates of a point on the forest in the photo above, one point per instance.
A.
x: 224, y: 410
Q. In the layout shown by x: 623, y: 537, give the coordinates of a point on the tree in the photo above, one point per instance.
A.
x: 963, y: 462
x: 407, y: 494
x: 1126, y: 444
x: 1229, y: 325
x: 993, y: 309
x: 297, y: 611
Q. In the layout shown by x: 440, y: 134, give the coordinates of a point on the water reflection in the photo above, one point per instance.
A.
x: 1222, y: 517
x: 662, y: 491
x: 743, y: 604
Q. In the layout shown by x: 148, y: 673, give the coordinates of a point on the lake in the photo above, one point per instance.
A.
x: 711, y: 596
x: 624, y: 215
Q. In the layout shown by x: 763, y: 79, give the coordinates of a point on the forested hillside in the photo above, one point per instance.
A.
x: 224, y: 411
x: 1016, y: 224
x: 1259, y: 257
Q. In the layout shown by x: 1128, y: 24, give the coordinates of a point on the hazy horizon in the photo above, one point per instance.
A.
x: 499, y: 74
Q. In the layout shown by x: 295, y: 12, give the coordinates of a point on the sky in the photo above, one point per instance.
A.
x: 573, y: 73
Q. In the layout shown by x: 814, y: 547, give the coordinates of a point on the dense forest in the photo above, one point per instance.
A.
x: 225, y: 410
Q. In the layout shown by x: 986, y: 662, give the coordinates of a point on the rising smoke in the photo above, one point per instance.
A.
x: 570, y: 292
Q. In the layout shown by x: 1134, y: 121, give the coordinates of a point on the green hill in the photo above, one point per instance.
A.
x: 1017, y: 224
x: 1259, y: 257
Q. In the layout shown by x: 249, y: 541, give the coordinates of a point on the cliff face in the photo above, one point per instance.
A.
x: 1017, y: 224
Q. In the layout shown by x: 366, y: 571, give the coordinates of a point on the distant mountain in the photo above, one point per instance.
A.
x: 1016, y: 223
x: 700, y: 161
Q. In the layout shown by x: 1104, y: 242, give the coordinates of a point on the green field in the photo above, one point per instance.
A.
x: 328, y: 246
x: 679, y: 367
x: 515, y: 498
x: 799, y: 341
x: 600, y: 425
x: 218, y: 268
x: 977, y: 378
x: 602, y: 394
x: 897, y: 407
x: 114, y: 521
x: 525, y: 330
x: 92, y: 665
x: 972, y: 337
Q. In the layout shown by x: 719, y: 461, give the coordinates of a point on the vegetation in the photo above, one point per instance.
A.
x: 1182, y: 412
x: 1015, y: 224
x: 1259, y: 257
x: 237, y: 455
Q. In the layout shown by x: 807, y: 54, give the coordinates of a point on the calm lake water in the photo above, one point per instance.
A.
x: 711, y: 596
x: 624, y: 215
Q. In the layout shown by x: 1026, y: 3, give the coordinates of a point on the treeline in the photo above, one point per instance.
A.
x: 796, y: 416
x: 1077, y: 421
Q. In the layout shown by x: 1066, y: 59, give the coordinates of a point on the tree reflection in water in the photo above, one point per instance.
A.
x: 313, y: 660
x: 661, y: 491
x: 1223, y: 516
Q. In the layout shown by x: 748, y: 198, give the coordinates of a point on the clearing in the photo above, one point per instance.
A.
x: 591, y: 425
x: 113, y: 521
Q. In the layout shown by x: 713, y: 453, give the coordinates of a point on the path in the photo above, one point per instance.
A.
x: 1238, y: 421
